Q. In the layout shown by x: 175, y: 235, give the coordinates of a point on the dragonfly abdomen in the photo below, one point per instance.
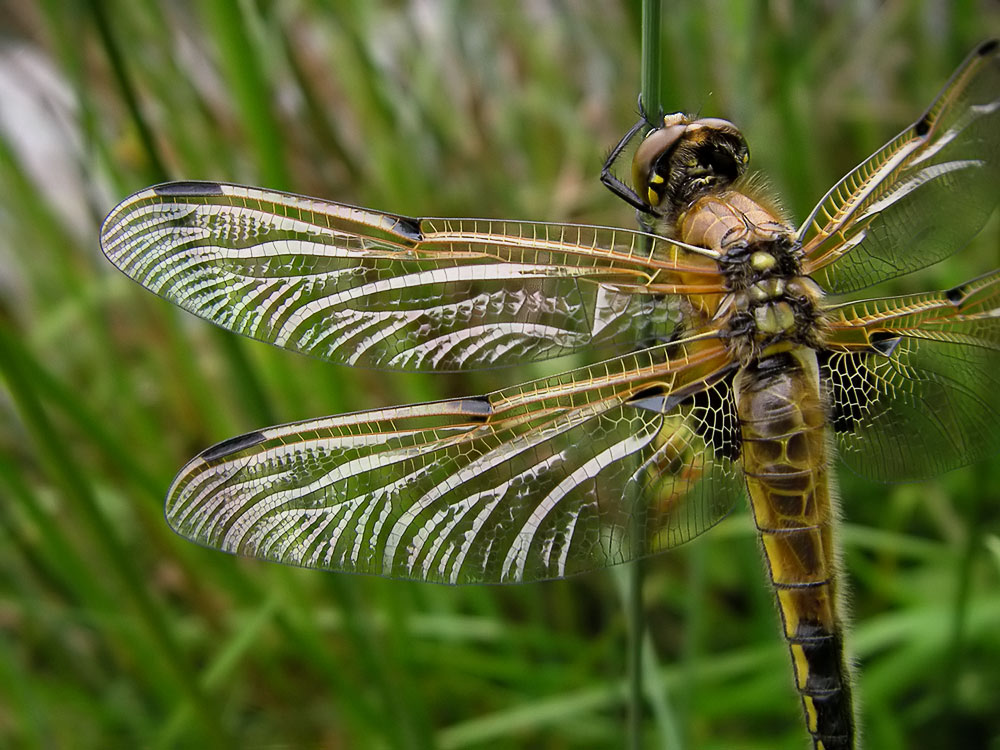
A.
x: 786, y: 458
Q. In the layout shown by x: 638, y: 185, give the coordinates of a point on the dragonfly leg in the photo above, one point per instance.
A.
x: 615, y: 185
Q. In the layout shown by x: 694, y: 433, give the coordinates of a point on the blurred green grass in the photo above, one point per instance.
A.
x: 113, y: 632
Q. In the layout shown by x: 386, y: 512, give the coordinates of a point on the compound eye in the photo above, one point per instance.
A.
x: 648, y: 183
x: 724, y: 147
x: 717, y: 124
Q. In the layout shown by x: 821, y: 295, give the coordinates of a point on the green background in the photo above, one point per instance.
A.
x: 116, y: 633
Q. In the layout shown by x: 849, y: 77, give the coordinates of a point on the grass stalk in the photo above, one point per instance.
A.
x: 650, y: 98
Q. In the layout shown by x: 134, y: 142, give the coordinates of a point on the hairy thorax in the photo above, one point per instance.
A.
x: 770, y: 305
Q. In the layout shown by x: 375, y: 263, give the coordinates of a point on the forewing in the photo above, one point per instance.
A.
x: 914, y: 381
x: 365, y: 288
x: 554, y: 477
x: 921, y: 197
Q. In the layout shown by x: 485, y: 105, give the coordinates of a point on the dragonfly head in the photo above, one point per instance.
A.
x: 684, y: 159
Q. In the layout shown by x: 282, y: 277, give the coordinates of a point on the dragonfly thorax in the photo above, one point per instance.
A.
x: 771, y: 303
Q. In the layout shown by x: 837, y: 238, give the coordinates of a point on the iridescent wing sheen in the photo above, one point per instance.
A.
x: 914, y: 381
x: 553, y: 477
x: 921, y: 197
x: 365, y: 288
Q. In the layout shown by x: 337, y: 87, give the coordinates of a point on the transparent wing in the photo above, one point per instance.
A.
x: 373, y: 289
x: 585, y: 469
x: 914, y: 381
x: 920, y: 198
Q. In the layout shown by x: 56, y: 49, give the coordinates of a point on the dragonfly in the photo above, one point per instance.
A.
x: 730, y: 365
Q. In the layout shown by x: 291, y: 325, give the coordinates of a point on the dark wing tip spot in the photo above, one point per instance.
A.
x: 233, y: 445
x: 956, y: 294
x: 408, y: 228
x: 478, y: 409
x: 190, y: 188
x: 922, y: 127
x: 988, y: 47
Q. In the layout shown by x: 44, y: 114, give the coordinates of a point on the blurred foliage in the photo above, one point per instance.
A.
x: 113, y: 632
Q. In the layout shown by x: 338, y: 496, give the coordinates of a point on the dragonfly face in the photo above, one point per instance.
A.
x: 731, y: 372
x: 683, y: 159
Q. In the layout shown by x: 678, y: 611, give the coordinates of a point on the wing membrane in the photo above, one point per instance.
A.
x: 542, y: 480
x: 921, y: 197
x: 915, y: 380
x: 366, y: 288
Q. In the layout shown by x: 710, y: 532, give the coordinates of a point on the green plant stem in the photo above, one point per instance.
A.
x: 651, y: 58
x: 650, y: 97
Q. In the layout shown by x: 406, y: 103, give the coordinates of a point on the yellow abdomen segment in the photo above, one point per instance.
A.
x: 786, y: 457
